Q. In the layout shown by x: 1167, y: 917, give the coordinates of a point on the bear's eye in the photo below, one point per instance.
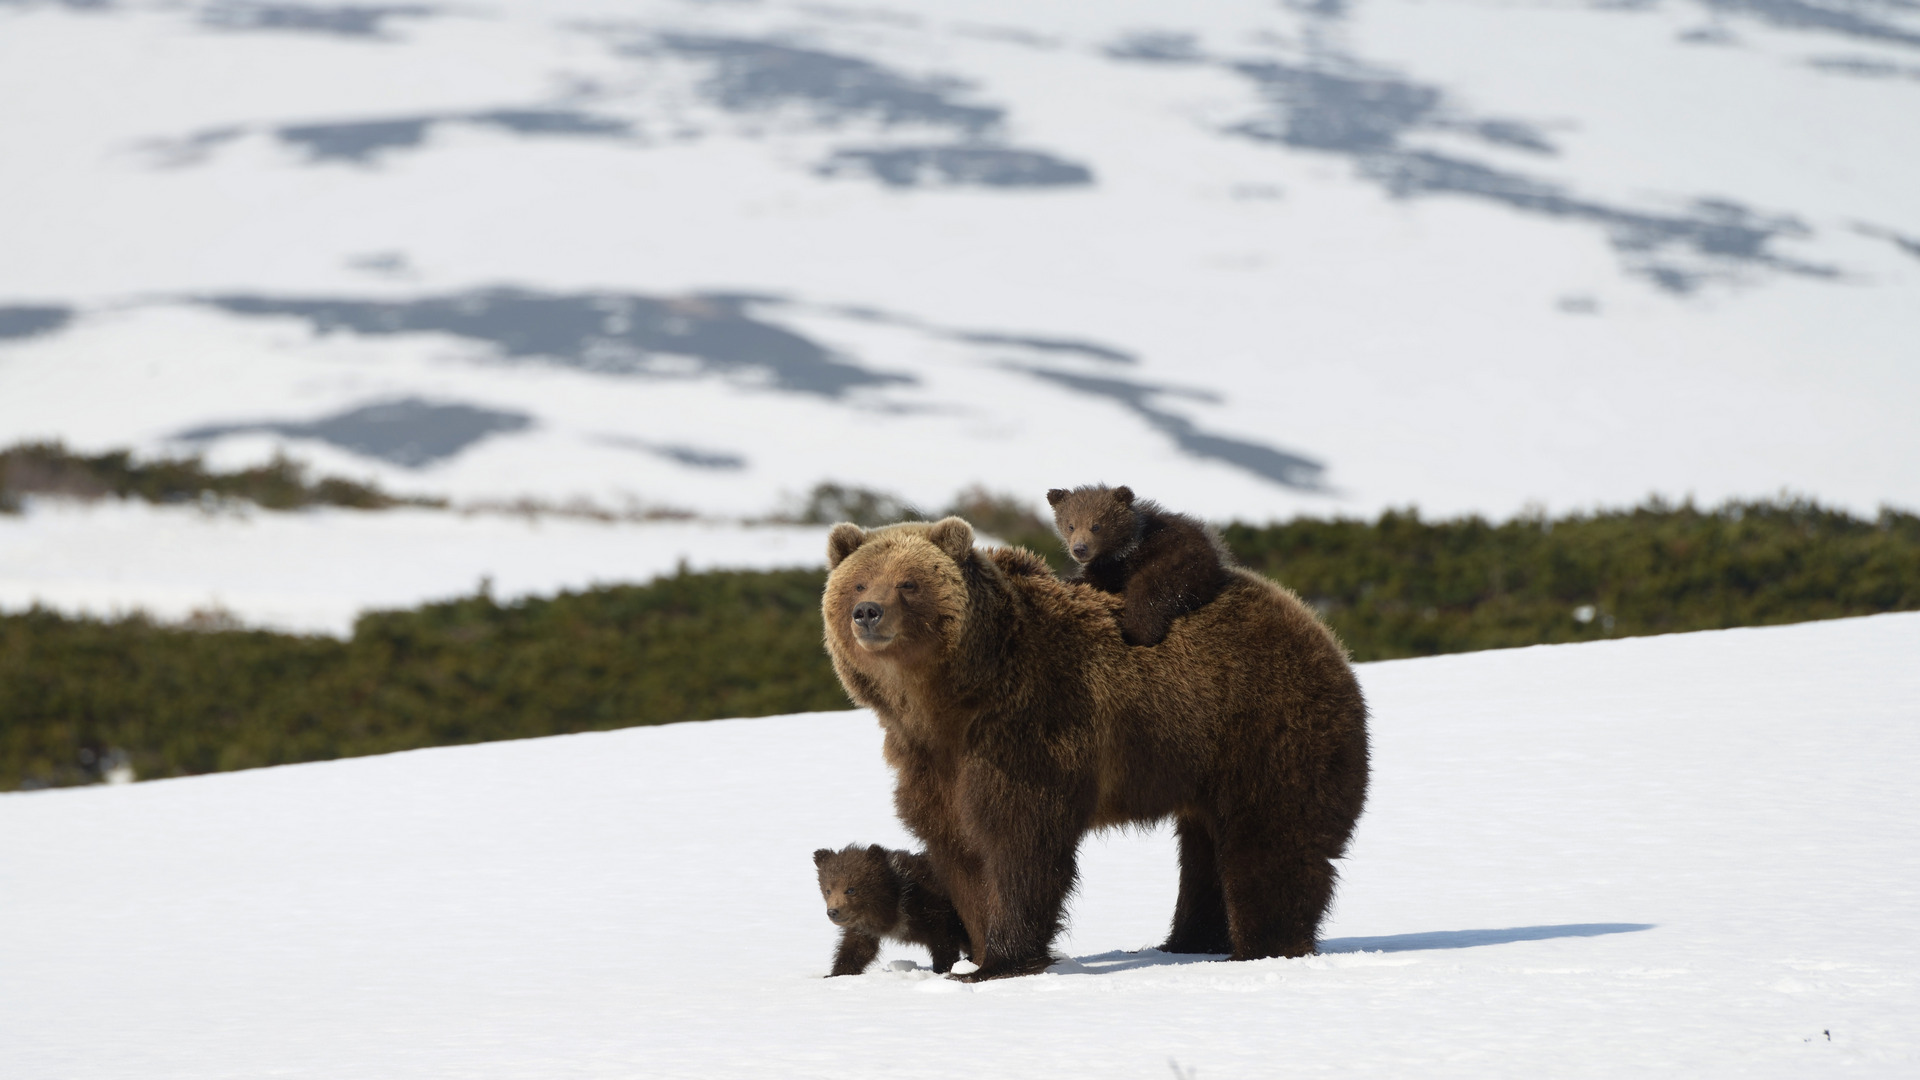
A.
x: 859, y: 588
x: 1096, y: 528
x: 908, y: 585
x: 853, y: 892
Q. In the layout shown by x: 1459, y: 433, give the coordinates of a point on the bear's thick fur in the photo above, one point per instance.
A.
x: 1162, y: 564
x: 1016, y: 719
x: 874, y: 894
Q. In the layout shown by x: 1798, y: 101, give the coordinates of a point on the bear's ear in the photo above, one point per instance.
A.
x: 821, y: 855
x: 953, y: 536
x: 877, y: 851
x: 1055, y: 495
x: 1123, y: 495
x: 842, y: 541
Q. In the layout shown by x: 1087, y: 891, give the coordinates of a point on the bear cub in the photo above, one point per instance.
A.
x: 873, y: 894
x: 1163, y: 564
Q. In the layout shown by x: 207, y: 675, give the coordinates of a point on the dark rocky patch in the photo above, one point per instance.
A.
x: 194, y: 149
x: 1908, y: 244
x: 1708, y: 35
x: 358, y: 141
x: 1278, y: 466
x: 361, y: 141
x: 549, y: 122
x: 1864, y: 67
x: 610, y: 333
x: 347, y: 20
x: 1366, y: 116
x: 1849, y: 18
x: 1357, y: 112
x: 1072, y: 346
x: 752, y: 76
x: 1054, y: 345
x: 1509, y: 133
x: 690, y: 456
x: 958, y: 166
x: 1717, y: 231
x: 32, y: 320
x: 409, y: 432
x: 1162, y: 46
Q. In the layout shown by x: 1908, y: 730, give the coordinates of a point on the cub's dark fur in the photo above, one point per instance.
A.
x: 873, y: 894
x: 1163, y: 564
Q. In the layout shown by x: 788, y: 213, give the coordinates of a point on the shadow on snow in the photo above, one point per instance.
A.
x: 1109, y: 962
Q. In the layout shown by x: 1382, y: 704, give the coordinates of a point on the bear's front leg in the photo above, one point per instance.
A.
x: 1029, y: 836
x: 856, y: 951
x: 945, y: 955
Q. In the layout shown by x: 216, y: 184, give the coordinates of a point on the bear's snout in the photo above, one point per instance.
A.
x: 867, y: 614
x: 833, y: 913
x: 1080, y: 551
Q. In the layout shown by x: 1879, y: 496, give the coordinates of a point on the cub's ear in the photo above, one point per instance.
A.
x: 953, y: 536
x: 821, y: 855
x: 842, y: 541
x: 1123, y: 495
x: 1055, y: 495
x: 877, y: 851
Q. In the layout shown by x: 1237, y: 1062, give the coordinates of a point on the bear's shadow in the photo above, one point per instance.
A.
x: 1109, y: 962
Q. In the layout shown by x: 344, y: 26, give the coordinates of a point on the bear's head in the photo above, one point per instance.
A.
x: 1095, y: 521
x: 897, y: 594
x: 860, y: 886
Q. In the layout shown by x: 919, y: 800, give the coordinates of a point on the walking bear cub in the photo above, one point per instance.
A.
x: 1162, y: 564
x: 873, y: 893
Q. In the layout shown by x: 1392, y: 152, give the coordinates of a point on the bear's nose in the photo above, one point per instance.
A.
x: 833, y: 913
x: 1079, y: 551
x: 867, y: 614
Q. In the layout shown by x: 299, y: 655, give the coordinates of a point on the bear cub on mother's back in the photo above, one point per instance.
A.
x: 873, y: 893
x: 1163, y: 564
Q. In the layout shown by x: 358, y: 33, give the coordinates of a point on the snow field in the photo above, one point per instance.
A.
x: 1419, y: 347
x: 1685, y: 855
x: 314, y: 571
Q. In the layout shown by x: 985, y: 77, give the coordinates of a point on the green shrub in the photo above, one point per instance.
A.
x: 179, y: 701
x: 51, y: 469
x: 76, y: 694
x: 1402, y: 587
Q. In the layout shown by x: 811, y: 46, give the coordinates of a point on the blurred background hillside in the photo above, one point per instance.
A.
x: 555, y: 333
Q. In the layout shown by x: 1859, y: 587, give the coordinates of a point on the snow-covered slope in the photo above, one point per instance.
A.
x: 317, y: 570
x: 1692, y: 855
x: 1253, y: 257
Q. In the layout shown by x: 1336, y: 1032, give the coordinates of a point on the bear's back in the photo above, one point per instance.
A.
x: 1234, y: 683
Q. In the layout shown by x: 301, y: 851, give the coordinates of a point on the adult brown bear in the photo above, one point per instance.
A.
x: 1016, y: 720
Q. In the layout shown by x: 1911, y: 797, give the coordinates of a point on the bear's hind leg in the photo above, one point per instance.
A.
x: 1275, y: 900
x: 1200, y: 915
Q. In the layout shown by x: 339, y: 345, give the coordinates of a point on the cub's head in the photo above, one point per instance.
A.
x: 896, y: 594
x: 859, y: 886
x: 1093, y: 521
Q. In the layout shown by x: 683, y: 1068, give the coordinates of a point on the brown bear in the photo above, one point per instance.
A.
x: 1161, y: 563
x: 1016, y: 719
x: 873, y: 894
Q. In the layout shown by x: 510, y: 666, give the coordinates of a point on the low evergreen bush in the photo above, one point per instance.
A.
x: 48, y: 468
x: 80, y: 697
x: 1400, y: 586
